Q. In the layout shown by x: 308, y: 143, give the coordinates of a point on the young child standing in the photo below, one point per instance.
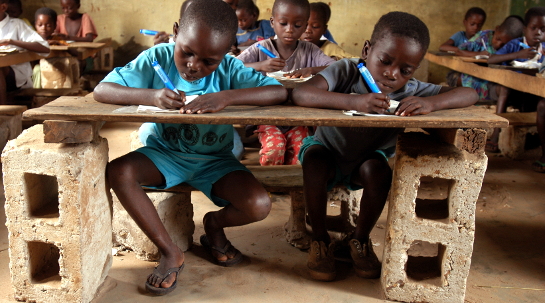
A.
x: 280, y: 144
x: 533, y: 39
x: 17, y: 33
x: 73, y: 25
x: 339, y: 155
x: 199, y: 155
x: 317, y: 27
x: 473, y: 23
x: 251, y: 30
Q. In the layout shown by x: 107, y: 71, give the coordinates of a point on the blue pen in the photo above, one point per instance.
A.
x: 164, y: 76
x: 368, y: 78
x: 523, y: 45
x: 266, y: 51
x: 149, y: 32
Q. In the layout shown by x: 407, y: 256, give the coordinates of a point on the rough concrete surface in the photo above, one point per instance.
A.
x: 508, y: 250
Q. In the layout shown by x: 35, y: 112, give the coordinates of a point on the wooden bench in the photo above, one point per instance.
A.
x: 10, y: 122
x: 513, y: 138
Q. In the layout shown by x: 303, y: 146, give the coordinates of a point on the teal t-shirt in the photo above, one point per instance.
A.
x: 187, y: 138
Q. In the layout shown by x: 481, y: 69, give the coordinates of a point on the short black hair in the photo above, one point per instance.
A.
x: 403, y: 25
x: 538, y: 11
x: 512, y: 26
x: 48, y: 12
x: 248, y: 6
x: 215, y: 14
x: 322, y: 10
x: 299, y: 3
x: 475, y: 11
x: 4, y: 1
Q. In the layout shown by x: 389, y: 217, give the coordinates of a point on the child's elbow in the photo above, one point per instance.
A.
x: 99, y: 93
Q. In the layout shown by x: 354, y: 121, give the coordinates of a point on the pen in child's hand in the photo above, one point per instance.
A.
x: 164, y: 76
x: 484, y: 44
x: 266, y: 51
x: 523, y: 45
x: 148, y: 32
x: 368, y: 78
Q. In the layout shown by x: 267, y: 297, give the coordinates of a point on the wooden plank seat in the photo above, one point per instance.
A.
x: 512, y: 139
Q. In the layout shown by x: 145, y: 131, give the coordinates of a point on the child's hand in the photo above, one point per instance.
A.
x: 371, y: 103
x: 272, y: 65
x: 412, y: 106
x: 527, y: 53
x: 5, y: 42
x: 300, y: 73
x: 208, y: 103
x: 167, y: 99
x: 57, y: 36
x: 160, y: 37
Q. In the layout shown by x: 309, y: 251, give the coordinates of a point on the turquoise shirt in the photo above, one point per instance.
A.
x: 187, y: 138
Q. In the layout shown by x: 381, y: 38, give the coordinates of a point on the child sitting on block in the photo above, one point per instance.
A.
x: 354, y: 156
x: 199, y: 155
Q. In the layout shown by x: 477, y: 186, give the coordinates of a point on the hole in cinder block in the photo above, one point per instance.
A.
x: 424, y: 262
x: 432, y: 198
x: 44, y: 263
x: 42, y: 195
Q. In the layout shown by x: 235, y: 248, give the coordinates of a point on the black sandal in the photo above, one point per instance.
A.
x: 160, y: 291
x: 237, y: 258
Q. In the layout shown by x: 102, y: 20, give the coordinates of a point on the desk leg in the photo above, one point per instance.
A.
x: 58, y: 217
x: 429, y: 240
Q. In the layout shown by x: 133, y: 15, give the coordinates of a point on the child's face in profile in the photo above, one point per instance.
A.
x: 392, y: 61
x: 44, y: 26
x: 473, y: 24
x: 199, y: 51
x: 69, y: 8
x: 535, y: 30
x: 499, y: 39
x: 245, y: 19
x: 289, y: 23
x: 315, y: 28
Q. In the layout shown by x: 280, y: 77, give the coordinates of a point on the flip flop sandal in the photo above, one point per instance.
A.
x: 237, y: 258
x: 538, y: 166
x: 160, y: 291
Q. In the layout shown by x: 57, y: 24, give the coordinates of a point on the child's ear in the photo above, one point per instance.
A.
x: 272, y: 21
x: 365, y: 49
x: 175, y: 30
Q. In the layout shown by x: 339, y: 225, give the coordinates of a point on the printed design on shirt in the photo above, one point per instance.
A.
x: 170, y: 133
x: 189, y: 134
x: 209, y: 138
x: 223, y: 138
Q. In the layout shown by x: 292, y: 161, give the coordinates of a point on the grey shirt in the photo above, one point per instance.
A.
x: 352, y: 145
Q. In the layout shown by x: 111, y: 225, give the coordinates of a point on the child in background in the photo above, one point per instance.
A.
x: 280, y: 144
x: 353, y: 156
x: 473, y: 23
x: 251, y: 30
x: 539, y: 165
x: 15, y: 9
x: 317, y: 27
x: 15, y: 32
x: 199, y: 155
x: 46, y: 23
x: 73, y: 25
x: 534, y: 37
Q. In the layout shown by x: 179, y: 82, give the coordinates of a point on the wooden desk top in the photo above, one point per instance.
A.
x: 84, y: 49
x: 521, y: 82
x: 7, y: 59
x: 78, y: 45
x: 87, y: 109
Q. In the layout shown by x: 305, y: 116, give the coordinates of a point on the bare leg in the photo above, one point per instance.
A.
x: 541, y: 127
x: 503, y: 94
x: 3, y: 86
x: 318, y: 169
x: 126, y: 175
x: 250, y: 203
x: 375, y: 176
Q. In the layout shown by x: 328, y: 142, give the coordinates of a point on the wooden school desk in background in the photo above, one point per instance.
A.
x: 83, y: 49
x: 64, y: 192
x: 16, y: 57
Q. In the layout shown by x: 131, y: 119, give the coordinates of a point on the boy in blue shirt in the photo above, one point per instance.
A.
x: 199, y: 155
x: 353, y: 156
x: 473, y: 23
x: 251, y: 30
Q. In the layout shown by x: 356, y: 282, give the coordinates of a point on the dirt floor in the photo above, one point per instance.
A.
x: 508, y: 262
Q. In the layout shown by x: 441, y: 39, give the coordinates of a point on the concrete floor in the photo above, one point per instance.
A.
x: 508, y: 252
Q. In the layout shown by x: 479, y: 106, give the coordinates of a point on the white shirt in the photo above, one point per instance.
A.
x: 17, y: 29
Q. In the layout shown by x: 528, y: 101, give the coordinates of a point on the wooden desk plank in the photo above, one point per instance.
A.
x: 7, y: 59
x: 520, y: 82
x: 84, y: 49
x: 87, y: 109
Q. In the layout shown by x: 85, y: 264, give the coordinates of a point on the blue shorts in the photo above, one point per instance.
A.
x: 199, y: 171
x: 339, y: 178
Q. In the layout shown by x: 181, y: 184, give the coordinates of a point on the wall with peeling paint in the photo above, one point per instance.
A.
x: 351, y: 21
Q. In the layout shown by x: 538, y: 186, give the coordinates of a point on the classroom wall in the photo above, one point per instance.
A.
x: 351, y: 22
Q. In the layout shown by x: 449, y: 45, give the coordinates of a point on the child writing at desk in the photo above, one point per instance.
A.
x: 354, y: 156
x: 280, y: 144
x: 15, y: 32
x: 530, y: 46
x: 473, y: 22
x: 199, y: 155
x: 73, y: 25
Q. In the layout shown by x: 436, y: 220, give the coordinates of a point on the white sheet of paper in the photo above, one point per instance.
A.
x: 155, y: 109
x: 391, y: 109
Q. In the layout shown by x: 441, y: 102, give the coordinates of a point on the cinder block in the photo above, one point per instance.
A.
x: 176, y: 213
x: 58, y: 217
x: 442, y: 239
x: 10, y: 128
x: 61, y: 72
x: 512, y: 140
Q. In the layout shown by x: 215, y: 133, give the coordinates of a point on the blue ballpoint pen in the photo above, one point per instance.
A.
x: 164, y: 76
x: 523, y: 45
x: 266, y: 51
x: 148, y: 32
x: 368, y: 78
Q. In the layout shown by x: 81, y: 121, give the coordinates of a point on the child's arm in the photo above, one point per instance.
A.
x: 113, y: 93
x: 448, y: 97
x: 315, y: 93
x: 31, y: 46
x: 448, y: 46
x: 527, y: 53
x: 305, y: 72
x: 269, y: 65
x: 214, y: 102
